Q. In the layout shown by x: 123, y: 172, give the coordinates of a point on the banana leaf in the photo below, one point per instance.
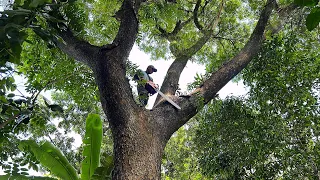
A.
x: 92, y: 146
x: 52, y: 158
x: 104, y: 173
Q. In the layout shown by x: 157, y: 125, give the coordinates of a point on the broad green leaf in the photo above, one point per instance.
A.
x: 92, y: 141
x: 313, y: 18
x: 102, y: 173
x: 109, y: 164
x: 52, y: 158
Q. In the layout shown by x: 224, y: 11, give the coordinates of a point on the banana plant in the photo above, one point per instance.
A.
x: 53, y: 159
x: 92, y: 146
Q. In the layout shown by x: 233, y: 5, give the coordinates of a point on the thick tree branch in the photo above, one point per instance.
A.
x: 110, y: 71
x: 128, y: 29
x: 170, y: 83
x: 80, y: 50
x: 221, y: 77
x: 232, y: 68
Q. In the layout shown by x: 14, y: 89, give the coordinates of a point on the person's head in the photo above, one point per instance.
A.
x: 151, y: 69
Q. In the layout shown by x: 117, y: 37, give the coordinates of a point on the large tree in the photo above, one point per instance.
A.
x: 101, y: 35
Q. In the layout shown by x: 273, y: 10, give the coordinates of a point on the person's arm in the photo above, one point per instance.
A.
x: 151, y: 83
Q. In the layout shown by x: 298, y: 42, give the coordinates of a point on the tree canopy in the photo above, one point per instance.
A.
x: 80, y: 49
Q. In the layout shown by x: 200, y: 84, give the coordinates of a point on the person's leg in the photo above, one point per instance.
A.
x: 143, y: 95
x: 143, y: 98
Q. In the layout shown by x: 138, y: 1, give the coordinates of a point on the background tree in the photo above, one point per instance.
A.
x: 180, y: 160
x: 273, y: 132
x: 100, y: 35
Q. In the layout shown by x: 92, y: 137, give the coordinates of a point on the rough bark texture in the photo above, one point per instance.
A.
x: 138, y: 149
x: 140, y: 135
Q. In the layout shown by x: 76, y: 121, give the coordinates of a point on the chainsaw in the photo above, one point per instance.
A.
x: 155, y: 87
x: 168, y: 99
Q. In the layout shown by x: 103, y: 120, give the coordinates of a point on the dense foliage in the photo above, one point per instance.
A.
x: 271, y: 133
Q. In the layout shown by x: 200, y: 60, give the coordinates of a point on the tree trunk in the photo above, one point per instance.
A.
x: 137, y: 133
x: 138, y: 148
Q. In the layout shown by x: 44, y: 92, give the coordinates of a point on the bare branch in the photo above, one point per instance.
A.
x: 215, y: 22
x: 128, y: 27
x: 195, y: 15
x: 171, y: 35
x: 170, y: 83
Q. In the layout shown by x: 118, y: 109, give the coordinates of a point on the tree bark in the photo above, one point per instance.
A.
x: 137, y: 137
x: 138, y: 149
x: 137, y: 133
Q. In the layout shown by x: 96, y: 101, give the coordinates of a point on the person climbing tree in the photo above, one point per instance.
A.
x: 146, y: 87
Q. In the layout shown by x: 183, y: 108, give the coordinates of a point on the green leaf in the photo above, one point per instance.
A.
x: 33, y: 166
x: 7, y: 171
x: 55, y: 107
x: 313, y: 18
x: 306, y: 2
x: 11, y: 95
x: 16, y: 51
x: 92, y: 141
x: 102, y: 173
x: 109, y: 164
x: 24, y: 173
x: 24, y: 169
x: 3, y: 99
x: 52, y: 158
